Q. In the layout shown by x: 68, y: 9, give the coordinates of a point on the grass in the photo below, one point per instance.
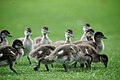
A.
x: 103, y: 15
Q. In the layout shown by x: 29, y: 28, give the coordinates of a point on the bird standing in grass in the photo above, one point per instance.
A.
x: 40, y: 53
x: 28, y: 43
x: 68, y: 36
x: 96, y: 57
x: 86, y: 27
x: 44, y: 39
x: 9, y: 54
x: 68, y: 53
x: 97, y: 42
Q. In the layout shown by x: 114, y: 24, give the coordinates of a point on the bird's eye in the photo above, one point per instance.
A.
x: 19, y: 44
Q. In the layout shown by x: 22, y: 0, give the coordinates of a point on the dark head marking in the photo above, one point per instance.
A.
x: 69, y: 31
x: 45, y: 28
x: 29, y: 30
x: 88, y: 25
x: 17, y: 42
x: 90, y: 30
x: 99, y: 35
x: 6, y: 32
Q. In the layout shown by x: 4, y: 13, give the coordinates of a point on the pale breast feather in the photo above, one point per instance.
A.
x: 1, y: 54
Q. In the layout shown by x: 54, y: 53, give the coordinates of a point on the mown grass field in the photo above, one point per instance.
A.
x: 58, y: 15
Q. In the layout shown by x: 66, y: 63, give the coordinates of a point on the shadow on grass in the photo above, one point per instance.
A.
x: 25, y: 69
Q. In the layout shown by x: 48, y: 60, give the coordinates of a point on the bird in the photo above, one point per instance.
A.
x: 44, y: 39
x: 28, y: 43
x: 68, y: 36
x: 97, y: 42
x: 3, y: 35
x: 86, y: 27
x: 40, y: 53
x: 88, y: 35
x: 68, y: 53
x: 9, y: 54
x: 96, y: 57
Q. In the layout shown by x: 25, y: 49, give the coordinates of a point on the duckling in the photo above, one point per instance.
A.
x: 28, y: 43
x: 45, y: 39
x: 68, y: 35
x: 40, y: 53
x: 85, y: 29
x: 3, y: 35
x: 9, y: 54
x: 97, y: 43
x: 68, y: 53
x: 98, y: 40
x: 96, y: 57
x: 88, y: 35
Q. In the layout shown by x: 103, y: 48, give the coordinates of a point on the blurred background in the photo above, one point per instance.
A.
x: 103, y: 15
x: 58, y: 15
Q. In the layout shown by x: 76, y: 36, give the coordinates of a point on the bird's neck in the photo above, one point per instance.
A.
x: 98, y: 41
x: 27, y: 36
x: 89, y: 38
x: 2, y: 39
x: 68, y: 40
x: 45, y: 36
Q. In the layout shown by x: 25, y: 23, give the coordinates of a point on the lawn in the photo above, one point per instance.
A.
x: 58, y: 15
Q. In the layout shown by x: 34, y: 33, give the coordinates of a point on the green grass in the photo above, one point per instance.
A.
x: 103, y: 15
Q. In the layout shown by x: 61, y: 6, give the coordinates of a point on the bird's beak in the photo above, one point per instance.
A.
x: 9, y: 35
x: 104, y: 37
x: 22, y: 47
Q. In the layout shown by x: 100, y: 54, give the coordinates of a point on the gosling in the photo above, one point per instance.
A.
x: 68, y: 53
x: 40, y: 53
x: 9, y: 54
x: 68, y: 36
x: 97, y: 43
x: 96, y: 57
x: 3, y: 35
x: 28, y: 43
x: 45, y: 39
x: 86, y: 27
